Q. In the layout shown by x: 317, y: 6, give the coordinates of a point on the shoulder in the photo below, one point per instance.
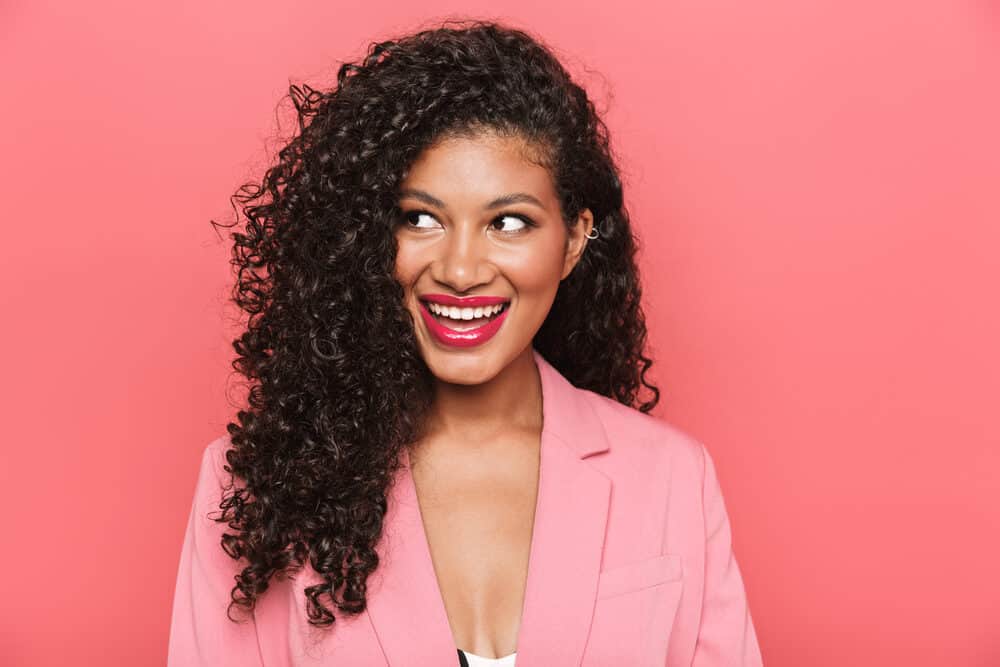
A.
x: 643, y: 436
x: 648, y: 454
x: 214, y: 456
x: 215, y: 451
x: 213, y: 477
x: 657, y: 473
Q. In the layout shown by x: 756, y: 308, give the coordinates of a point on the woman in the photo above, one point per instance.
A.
x: 444, y: 460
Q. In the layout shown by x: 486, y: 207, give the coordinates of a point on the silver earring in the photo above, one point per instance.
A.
x: 596, y: 234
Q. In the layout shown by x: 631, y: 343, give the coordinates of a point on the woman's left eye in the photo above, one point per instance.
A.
x: 524, y: 223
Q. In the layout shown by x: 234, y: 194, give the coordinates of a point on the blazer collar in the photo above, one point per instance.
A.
x: 567, y: 413
x: 404, y: 601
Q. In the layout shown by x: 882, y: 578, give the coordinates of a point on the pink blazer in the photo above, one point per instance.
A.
x: 631, y: 563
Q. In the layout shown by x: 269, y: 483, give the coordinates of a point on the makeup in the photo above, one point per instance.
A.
x: 461, y: 332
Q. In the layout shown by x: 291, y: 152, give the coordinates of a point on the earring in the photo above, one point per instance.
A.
x: 596, y: 233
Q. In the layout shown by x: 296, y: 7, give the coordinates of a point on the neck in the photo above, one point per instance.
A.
x: 481, y: 413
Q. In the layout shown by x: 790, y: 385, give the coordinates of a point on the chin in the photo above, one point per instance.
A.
x: 468, y: 366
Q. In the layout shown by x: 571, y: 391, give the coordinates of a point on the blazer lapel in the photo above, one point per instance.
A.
x: 568, y: 535
x: 404, y: 601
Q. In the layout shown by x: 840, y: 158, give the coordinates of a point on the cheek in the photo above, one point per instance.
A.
x: 405, y: 267
x: 536, y: 271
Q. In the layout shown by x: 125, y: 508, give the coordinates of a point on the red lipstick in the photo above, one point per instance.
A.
x: 463, y: 301
x: 469, y: 337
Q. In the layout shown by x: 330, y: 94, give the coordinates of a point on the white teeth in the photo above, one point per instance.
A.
x: 456, y: 313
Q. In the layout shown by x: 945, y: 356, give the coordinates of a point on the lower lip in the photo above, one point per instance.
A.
x: 467, y: 338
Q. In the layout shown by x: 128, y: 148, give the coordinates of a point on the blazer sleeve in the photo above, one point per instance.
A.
x: 726, y: 636
x: 200, y: 631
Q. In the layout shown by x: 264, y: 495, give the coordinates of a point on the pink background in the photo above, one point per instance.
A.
x: 816, y: 186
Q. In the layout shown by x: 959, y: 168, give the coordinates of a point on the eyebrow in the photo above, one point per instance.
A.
x: 505, y: 200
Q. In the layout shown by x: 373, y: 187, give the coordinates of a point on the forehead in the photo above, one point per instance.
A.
x: 481, y: 165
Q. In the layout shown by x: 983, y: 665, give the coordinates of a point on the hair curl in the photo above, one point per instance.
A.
x: 314, y: 273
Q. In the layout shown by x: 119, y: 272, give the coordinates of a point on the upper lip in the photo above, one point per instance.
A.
x: 463, y: 302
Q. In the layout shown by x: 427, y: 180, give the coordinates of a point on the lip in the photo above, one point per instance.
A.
x: 470, y: 337
x: 463, y: 302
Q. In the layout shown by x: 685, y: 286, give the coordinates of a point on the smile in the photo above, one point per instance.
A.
x: 465, y: 326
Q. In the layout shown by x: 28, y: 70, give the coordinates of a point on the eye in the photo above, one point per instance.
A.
x: 524, y: 221
x: 415, y: 216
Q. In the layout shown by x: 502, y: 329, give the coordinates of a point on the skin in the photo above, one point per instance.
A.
x: 475, y: 465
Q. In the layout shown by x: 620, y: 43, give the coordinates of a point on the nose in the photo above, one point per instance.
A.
x: 463, y: 259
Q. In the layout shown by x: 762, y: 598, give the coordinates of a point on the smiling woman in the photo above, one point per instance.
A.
x: 491, y: 226
x: 445, y: 349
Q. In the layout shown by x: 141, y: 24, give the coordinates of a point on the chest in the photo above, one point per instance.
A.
x: 610, y: 568
x: 477, y: 514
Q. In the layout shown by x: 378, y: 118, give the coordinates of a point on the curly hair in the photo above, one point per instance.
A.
x: 313, y: 267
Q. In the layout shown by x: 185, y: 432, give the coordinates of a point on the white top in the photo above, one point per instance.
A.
x: 479, y: 661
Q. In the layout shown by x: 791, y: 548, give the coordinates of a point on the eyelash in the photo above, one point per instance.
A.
x: 528, y: 222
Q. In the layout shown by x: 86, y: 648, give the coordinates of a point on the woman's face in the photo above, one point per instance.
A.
x: 479, y: 219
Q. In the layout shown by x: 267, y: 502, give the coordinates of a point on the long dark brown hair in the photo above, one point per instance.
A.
x: 330, y: 406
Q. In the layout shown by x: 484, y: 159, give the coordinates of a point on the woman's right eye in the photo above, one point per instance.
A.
x: 415, y: 217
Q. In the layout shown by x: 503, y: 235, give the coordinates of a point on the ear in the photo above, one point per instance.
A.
x: 576, y: 241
